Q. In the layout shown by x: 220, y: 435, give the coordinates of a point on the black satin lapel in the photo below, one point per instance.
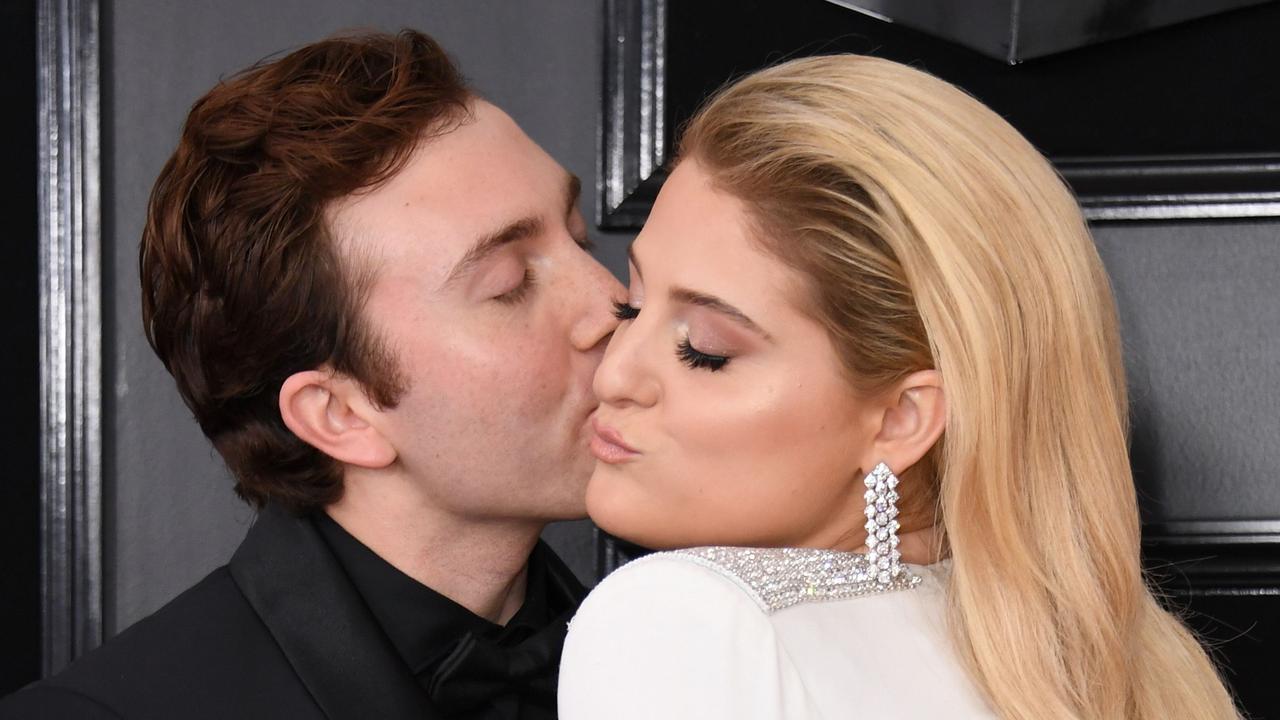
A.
x: 334, y: 644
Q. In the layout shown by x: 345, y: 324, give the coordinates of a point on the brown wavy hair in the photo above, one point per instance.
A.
x: 242, y: 283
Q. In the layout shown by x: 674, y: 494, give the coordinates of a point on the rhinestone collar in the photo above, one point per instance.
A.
x: 778, y: 578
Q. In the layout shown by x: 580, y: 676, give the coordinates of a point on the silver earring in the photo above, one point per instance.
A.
x: 882, y: 524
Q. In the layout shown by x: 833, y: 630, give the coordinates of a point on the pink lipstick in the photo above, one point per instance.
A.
x: 608, y: 446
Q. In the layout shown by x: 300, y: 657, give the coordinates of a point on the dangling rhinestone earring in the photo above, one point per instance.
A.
x: 882, y: 524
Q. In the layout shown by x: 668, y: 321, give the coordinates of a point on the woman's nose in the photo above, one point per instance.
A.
x: 626, y: 375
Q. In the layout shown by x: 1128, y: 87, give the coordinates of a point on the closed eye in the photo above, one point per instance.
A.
x: 517, y: 294
x: 625, y: 311
x: 699, y: 360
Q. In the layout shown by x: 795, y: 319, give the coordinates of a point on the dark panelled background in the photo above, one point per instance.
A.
x: 19, y: 359
x: 1200, y: 310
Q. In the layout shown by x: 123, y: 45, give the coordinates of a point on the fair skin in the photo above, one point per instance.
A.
x: 484, y: 290
x: 726, y: 417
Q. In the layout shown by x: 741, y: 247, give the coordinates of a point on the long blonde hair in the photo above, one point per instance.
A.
x: 936, y: 236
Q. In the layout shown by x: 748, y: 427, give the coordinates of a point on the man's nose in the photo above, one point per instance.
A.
x: 597, y: 290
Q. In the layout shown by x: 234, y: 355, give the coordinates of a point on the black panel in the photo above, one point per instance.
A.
x: 1179, y: 122
x: 1241, y: 632
x: 19, y: 363
x: 1016, y: 30
x: 1202, y: 87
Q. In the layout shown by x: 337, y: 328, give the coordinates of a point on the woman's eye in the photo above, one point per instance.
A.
x: 699, y: 360
x: 624, y: 311
x: 519, y: 292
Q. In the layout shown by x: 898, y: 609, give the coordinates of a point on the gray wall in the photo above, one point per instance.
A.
x: 170, y: 515
x: 1200, y: 315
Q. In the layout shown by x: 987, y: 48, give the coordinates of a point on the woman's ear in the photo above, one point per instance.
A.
x: 331, y: 413
x: 914, y: 416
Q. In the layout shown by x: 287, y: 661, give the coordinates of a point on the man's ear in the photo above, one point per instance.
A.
x: 331, y: 413
x: 914, y: 416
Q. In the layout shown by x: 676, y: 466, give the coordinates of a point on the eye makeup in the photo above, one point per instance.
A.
x: 709, y: 341
x: 698, y: 360
x: 685, y: 351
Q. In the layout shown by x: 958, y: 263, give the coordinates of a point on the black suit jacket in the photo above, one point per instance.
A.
x: 279, y: 632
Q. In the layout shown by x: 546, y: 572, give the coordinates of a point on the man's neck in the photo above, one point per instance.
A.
x: 479, y: 564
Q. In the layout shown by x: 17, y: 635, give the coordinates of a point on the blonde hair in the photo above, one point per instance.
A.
x: 936, y: 236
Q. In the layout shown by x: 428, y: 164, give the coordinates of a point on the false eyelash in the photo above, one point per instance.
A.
x: 624, y: 311
x: 519, y: 292
x: 696, y: 359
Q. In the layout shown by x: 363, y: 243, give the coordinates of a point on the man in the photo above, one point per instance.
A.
x: 374, y: 293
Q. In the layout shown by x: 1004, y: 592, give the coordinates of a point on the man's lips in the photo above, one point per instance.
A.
x: 608, y: 446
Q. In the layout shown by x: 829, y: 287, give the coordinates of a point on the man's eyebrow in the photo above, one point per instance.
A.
x: 711, y: 302
x: 572, y: 192
x: 491, y: 243
x: 513, y: 232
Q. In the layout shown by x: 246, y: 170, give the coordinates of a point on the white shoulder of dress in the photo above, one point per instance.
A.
x: 779, y: 578
x: 692, y: 633
x: 666, y: 636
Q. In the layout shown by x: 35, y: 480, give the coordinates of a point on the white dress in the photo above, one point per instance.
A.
x: 747, y: 633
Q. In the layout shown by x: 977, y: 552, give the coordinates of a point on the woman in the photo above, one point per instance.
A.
x: 867, y: 323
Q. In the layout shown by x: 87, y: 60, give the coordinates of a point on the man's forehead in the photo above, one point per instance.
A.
x: 452, y: 191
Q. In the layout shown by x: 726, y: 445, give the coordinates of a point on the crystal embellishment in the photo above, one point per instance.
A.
x: 882, y: 527
x: 779, y: 578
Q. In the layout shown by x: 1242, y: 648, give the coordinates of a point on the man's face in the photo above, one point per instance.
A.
x: 498, y: 317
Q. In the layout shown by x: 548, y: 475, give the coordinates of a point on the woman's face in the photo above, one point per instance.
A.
x: 725, y: 416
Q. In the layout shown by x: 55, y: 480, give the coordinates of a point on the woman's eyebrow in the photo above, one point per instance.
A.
x: 711, y: 302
